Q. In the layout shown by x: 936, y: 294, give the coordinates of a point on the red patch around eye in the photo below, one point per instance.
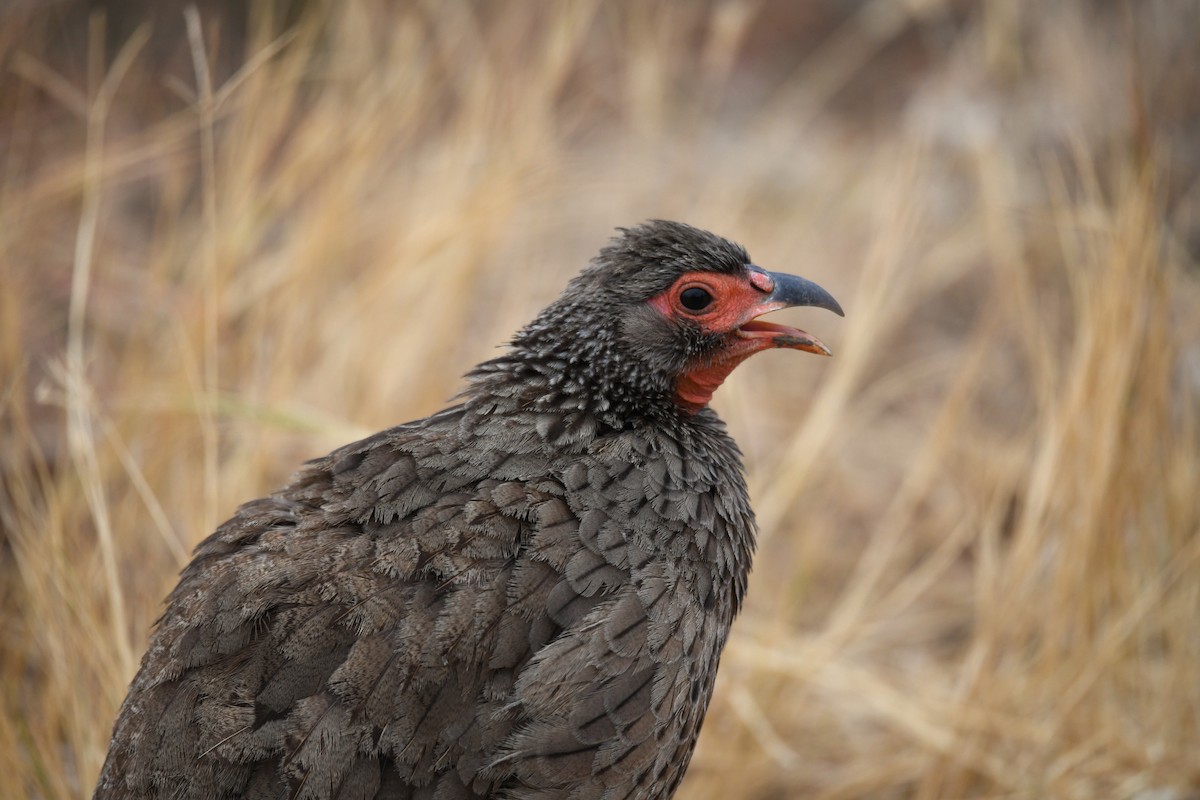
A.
x: 734, y: 298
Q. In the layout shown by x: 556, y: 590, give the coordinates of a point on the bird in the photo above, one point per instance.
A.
x: 523, y: 596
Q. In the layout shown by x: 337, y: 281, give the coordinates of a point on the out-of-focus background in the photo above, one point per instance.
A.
x: 234, y: 238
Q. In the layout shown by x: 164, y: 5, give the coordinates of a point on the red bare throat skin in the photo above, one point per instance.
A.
x: 735, y: 308
x: 694, y: 388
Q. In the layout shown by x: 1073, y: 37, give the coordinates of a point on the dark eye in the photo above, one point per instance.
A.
x: 695, y: 298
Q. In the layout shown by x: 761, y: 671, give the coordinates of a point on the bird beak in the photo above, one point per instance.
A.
x: 784, y: 291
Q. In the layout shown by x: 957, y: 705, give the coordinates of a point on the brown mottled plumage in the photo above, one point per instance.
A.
x: 523, y: 596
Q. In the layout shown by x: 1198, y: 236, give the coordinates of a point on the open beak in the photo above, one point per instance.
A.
x: 784, y: 291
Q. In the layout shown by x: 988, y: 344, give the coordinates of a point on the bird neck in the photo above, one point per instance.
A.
x: 582, y: 375
x: 549, y: 404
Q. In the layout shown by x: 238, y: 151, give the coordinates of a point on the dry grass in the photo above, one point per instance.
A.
x: 223, y: 252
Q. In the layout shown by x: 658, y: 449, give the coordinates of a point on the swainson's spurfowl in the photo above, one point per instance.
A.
x: 522, y: 596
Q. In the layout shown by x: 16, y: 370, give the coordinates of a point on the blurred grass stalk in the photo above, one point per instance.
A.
x: 980, y: 569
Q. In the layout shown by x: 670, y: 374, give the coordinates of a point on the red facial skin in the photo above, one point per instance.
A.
x: 737, y: 301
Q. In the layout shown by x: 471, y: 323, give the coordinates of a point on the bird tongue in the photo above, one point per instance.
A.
x: 694, y: 388
x: 783, y: 336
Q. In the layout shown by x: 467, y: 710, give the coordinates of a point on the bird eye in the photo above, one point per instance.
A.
x: 695, y: 299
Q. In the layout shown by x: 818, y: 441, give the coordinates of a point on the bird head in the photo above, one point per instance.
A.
x: 662, y: 316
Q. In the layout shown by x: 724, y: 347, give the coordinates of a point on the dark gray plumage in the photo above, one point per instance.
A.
x: 523, y: 596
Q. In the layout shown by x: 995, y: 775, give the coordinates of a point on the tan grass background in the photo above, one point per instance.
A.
x: 235, y: 238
